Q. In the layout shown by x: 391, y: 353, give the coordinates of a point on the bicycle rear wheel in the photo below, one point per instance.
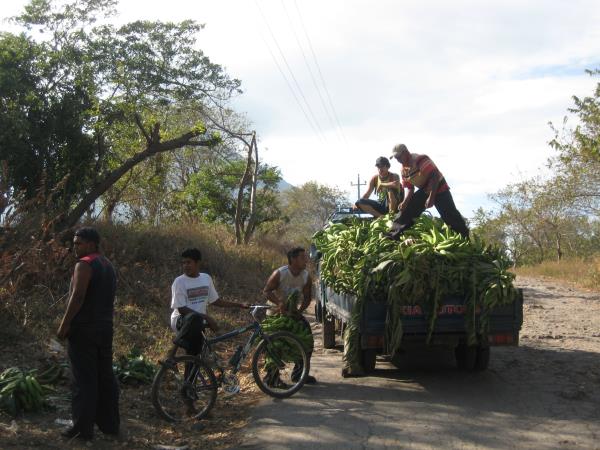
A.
x: 184, y: 388
x: 280, y: 364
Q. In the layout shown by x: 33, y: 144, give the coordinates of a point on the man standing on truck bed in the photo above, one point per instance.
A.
x: 420, y: 171
x: 286, y: 280
x: 387, y: 188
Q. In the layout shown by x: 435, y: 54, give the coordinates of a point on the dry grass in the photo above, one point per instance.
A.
x: 35, y: 280
x: 147, y: 260
x: 583, y: 272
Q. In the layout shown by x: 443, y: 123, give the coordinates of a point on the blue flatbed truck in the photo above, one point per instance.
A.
x: 334, y: 310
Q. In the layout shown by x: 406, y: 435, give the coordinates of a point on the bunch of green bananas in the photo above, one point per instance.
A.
x: 134, y: 368
x: 21, y: 391
x: 291, y: 303
x: 52, y: 374
x: 285, y: 323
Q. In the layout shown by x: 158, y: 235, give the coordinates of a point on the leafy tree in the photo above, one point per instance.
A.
x: 536, y: 221
x: 83, y: 106
x: 308, y: 207
x: 539, y: 219
x: 148, y: 193
x: 42, y: 134
x: 577, y: 165
x: 585, y: 142
x: 491, y: 228
x: 211, y: 193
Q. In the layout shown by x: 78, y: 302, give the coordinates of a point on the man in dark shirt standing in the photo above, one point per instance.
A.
x: 88, y: 326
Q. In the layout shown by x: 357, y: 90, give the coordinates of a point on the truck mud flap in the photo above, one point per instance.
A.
x: 328, y: 329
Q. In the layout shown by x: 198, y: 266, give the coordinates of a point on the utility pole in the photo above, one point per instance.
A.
x: 358, y: 185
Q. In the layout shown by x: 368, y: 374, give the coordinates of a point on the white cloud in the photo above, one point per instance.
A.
x: 471, y: 83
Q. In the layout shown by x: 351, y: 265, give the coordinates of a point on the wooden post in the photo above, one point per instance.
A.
x: 358, y: 185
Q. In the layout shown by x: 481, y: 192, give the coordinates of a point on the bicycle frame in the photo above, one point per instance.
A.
x: 257, y: 332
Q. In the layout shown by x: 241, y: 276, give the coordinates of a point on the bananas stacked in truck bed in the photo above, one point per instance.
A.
x: 26, y: 391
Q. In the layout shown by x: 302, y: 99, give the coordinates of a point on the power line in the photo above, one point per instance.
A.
x: 290, y: 71
x: 320, y: 73
x: 292, y: 90
x: 331, y: 120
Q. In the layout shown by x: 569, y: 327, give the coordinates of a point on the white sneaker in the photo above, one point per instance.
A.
x: 230, y: 384
x: 231, y: 390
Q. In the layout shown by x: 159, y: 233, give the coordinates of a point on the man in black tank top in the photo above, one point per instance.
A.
x: 88, y: 326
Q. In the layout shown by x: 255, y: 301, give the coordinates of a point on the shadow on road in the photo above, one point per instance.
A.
x: 428, y: 402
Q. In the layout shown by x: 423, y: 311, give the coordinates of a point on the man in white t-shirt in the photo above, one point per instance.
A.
x: 193, y: 291
x: 284, y: 281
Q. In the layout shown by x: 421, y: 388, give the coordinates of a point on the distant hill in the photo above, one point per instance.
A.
x: 284, y: 186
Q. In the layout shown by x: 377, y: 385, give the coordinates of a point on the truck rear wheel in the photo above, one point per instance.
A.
x: 369, y: 359
x: 328, y: 329
x: 472, y: 357
x: 318, y: 312
x: 466, y: 356
x: 483, y: 359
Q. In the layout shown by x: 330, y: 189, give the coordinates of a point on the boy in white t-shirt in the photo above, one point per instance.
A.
x: 193, y: 292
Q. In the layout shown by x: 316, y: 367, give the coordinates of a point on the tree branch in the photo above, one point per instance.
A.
x: 70, y: 219
x: 138, y: 122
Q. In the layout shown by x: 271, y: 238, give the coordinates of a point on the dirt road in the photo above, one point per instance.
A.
x: 543, y: 394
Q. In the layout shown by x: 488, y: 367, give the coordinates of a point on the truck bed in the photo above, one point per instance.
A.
x: 504, y: 322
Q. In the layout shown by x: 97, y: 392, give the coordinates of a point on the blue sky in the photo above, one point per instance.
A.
x: 472, y: 84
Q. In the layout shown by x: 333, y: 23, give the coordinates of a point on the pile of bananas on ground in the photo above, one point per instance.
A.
x: 26, y: 391
x: 287, y: 322
x: 134, y: 368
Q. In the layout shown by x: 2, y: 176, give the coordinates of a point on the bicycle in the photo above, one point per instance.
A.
x: 185, y: 387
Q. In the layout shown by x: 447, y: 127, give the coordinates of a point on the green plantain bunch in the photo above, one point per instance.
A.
x: 134, y: 368
x: 26, y: 391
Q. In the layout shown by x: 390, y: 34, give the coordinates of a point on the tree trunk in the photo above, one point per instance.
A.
x: 239, y: 225
x: 252, y: 217
x: 3, y: 185
x: 109, y: 210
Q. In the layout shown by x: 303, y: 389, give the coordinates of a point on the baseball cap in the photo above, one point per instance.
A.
x: 382, y: 161
x: 398, y: 150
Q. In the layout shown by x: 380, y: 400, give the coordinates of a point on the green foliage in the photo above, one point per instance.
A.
x: 82, y: 100
x: 585, y: 139
x: 134, y: 368
x: 211, y: 193
x: 199, y: 128
x: 43, y: 133
x: 539, y: 219
x: 307, y: 208
x: 577, y: 163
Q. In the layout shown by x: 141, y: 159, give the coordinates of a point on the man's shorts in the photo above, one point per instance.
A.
x: 379, y: 207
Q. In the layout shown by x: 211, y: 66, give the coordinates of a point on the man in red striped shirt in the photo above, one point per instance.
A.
x: 421, y: 171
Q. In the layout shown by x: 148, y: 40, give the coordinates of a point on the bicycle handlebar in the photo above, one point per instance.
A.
x: 255, y: 308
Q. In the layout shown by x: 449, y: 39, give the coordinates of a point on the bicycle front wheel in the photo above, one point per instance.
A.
x: 280, y: 364
x: 184, y: 388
